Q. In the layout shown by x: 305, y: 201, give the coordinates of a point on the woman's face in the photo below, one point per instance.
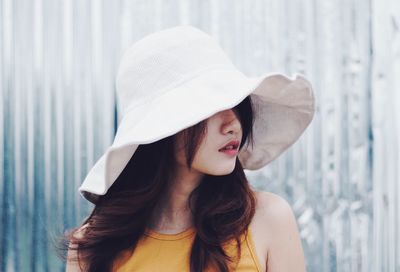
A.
x: 222, y: 127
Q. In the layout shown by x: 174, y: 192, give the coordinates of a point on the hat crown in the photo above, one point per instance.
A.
x: 164, y: 59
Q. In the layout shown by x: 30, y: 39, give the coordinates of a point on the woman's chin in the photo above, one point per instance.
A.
x: 222, y: 170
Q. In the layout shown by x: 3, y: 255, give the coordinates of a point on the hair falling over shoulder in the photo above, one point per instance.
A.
x: 222, y: 206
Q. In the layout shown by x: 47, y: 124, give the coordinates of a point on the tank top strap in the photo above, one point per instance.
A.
x: 252, y: 248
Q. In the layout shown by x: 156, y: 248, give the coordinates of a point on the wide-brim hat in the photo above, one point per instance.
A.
x: 173, y: 79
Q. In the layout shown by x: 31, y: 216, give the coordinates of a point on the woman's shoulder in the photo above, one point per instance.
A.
x: 72, y: 264
x: 267, y: 208
x: 275, y: 225
x: 80, y: 232
x: 270, y: 204
x: 273, y: 212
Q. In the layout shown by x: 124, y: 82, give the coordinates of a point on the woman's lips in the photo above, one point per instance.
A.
x: 230, y: 148
x: 230, y: 152
x: 234, y: 143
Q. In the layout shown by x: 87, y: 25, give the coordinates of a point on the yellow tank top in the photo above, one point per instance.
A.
x: 171, y: 252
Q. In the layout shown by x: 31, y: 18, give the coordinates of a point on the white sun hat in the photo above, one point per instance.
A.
x: 173, y: 79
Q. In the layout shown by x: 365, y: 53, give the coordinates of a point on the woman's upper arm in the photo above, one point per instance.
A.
x: 72, y: 266
x: 285, y: 252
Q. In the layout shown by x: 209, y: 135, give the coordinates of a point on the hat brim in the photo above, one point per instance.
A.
x: 283, y: 108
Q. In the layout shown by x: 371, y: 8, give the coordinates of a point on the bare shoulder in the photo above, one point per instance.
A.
x: 72, y: 264
x: 79, y: 233
x: 272, y: 205
x: 283, y: 242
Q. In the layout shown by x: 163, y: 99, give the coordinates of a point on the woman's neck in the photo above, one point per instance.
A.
x: 172, y: 211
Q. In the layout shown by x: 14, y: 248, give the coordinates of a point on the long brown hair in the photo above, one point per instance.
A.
x: 222, y: 206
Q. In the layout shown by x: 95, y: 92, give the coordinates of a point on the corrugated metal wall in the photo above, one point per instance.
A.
x: 57, y: 115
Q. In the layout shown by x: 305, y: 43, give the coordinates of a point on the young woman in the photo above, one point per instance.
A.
x: 171, y: 194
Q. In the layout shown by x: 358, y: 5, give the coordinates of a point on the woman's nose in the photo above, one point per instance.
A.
x: 232, y: 125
